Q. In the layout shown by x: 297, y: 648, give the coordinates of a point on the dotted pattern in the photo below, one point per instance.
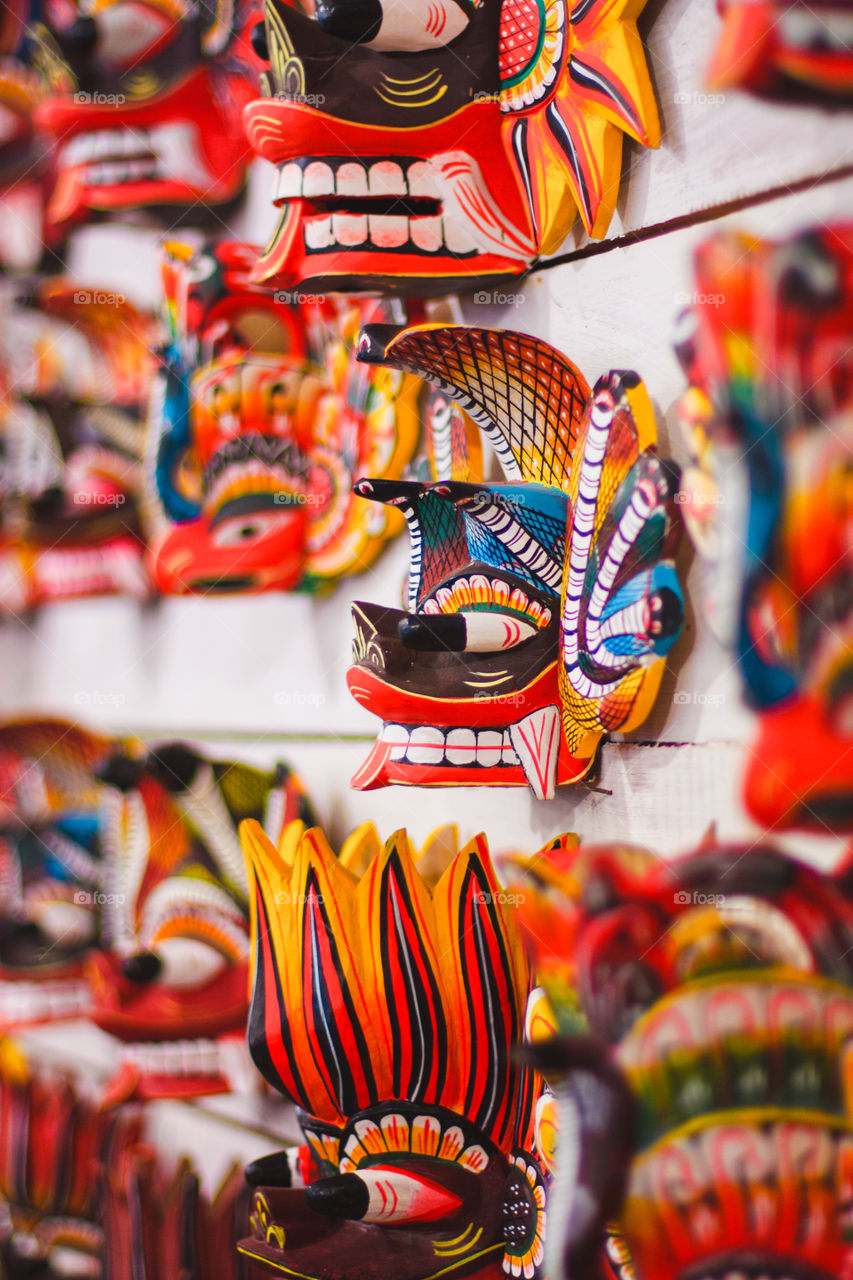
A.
x: 519, y: 36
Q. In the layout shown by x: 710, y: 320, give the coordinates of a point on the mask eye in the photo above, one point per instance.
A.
x: 186, y: 962
x: 396, y: 26
x: 241, y: 530
x: 464, y: 632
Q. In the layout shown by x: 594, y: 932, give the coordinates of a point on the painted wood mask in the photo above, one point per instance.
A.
x: 25, y: 151
x: 539, y: 609
x: 172, y: 978
x: 786, y: 49
x: 386, y: 1003
x: 767, y: 500
x: 76, y: 369
x: 261, y: 425
x: 144, y: 102
x: 50, y: 867
x: 717, y: 993
x: 370, y: 111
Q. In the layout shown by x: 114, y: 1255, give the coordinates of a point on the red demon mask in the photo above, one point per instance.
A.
x: 787, y: 49
x: 768, y: 502
x: 421, y: 147
x: 144, y: 105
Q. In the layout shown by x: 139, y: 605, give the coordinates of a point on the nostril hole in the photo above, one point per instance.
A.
x: 259, y: 41
x: 354, y: 20
x: 142, y: 967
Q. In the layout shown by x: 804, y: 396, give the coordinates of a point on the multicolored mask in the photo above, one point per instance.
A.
x: 265, y: 423
x: 720, y: 989
x: 768, y: 502
x: 50, y: 867
x: 53, y: 1141
x: 77, y: 365
x: 25, y: 152
x: 539, y: 609
x: 144, y: 105
x: 173, y: 978
x: 386, y: 1004
x: 426, y: 147
x: 786, y: 49
x: 158, y: 1220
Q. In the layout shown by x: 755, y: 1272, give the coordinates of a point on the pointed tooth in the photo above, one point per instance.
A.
x: 318, y: 180
x: 351, y: 180
x: 461, y: 746
x: 386, y: 179
x: 536, y: 739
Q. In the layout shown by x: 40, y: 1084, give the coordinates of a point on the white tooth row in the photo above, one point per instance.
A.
x: 384, y: 178
x: 35, y: 1001
x: 103, y: 143
x: 388, y: 231
x: 427, y: 744
x: 110, y: 567
x: 175, y: 1057
x: 111, y: 172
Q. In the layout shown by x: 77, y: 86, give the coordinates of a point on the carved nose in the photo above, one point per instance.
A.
x: 354, y: 20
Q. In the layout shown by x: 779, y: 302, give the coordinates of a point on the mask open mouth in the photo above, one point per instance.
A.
x: 392, y: 205
x: 116, y: 157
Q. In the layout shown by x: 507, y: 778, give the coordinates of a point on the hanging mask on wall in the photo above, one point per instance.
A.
x: 717, y: 992
x: 25, y: 150
x: 386, y: 1004
x: 144, y: 102
x: 370, y: 114
x: 539, y: 609
x: 172, y: 979
x: 78, y: 368
x: 261, y: 425
x: 769, y: 418
x: 786, y: 49
x: 51, y: 871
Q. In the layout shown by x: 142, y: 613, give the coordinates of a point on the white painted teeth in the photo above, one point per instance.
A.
x: 289, y: 183
x: 388, y: 231
x: 349, y: 229
x: 175, y: 1057
x: 318, y: 233
x: 422, y: 181
x: 22, y: 1002
x: 113, y: 156
x: 352, y: 180
x: 426, y: 744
